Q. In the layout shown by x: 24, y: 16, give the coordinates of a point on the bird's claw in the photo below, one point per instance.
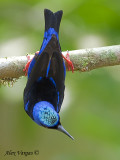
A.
x: 69, y: 62
x: 28, y: 63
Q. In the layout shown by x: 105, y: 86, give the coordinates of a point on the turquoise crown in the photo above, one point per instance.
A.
x: 44, y: 114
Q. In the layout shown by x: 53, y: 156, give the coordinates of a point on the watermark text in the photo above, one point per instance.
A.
x: 21, y: 153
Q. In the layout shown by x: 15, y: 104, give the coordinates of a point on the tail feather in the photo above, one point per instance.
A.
x: 52, y: 20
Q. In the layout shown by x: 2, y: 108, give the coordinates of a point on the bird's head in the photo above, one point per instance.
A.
x: 45, y: 115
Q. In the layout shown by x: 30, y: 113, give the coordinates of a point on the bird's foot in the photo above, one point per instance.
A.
x: 28, y: 63
x: 68, y: 61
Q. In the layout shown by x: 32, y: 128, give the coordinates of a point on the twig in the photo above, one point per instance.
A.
x: 83, y: 60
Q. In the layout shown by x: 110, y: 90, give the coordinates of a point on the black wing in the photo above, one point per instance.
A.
x: 56, y: 72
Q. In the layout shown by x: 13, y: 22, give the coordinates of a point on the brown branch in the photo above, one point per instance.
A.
x: 83, y: 60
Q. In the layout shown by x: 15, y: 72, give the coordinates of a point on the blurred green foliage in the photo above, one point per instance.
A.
x: 92, y: 114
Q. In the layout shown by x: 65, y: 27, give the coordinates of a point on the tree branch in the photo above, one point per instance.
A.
x: 83, y: 60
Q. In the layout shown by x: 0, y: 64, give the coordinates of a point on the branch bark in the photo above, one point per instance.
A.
x: 83, y: 60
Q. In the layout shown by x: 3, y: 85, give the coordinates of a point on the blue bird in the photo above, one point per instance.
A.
x: 44, y: 91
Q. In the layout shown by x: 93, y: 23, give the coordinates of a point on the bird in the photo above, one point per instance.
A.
x: 46, y: 72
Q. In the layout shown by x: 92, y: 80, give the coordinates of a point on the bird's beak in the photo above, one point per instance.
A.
x: 60, y: 128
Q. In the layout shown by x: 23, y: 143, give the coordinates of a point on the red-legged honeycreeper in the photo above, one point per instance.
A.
x: 44, y: 91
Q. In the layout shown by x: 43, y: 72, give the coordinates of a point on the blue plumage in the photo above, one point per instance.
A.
x: 44, y: 91
x: 44, y: 115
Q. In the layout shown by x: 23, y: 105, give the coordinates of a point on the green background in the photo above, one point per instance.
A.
x: 91, y: 108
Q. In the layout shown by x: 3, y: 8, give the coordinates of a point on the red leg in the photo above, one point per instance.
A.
x: 37, y: 52
x: 28, y: 63
x: 69, y: 62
